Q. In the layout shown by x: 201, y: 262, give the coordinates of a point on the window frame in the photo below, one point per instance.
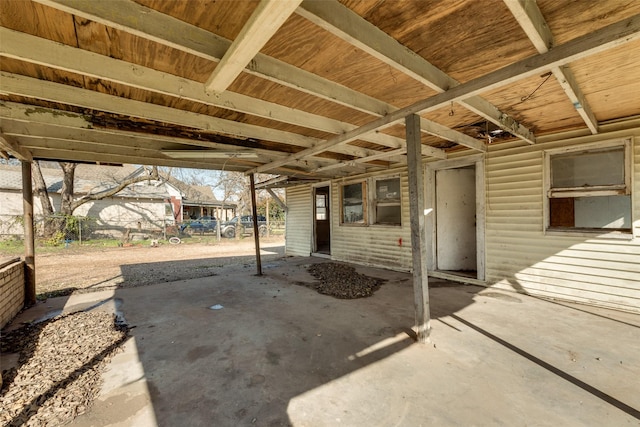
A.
x: 325, y: 198
x: 593, y: 191
x: 375, y: 202
x: 365, y: 218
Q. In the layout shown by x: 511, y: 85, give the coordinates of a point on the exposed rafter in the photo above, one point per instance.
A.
x: 598, y: 41
x: 34, y: 88
x: 56, y: 55
x: 9, y: 145
x: 262, y: 25
x: 530, y: 18
x: 18, y: 120
x: 349, y: 26
x: 352, y: 163
x: 143, y: 22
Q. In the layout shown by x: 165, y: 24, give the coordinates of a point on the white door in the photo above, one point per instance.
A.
x: 456, y: 219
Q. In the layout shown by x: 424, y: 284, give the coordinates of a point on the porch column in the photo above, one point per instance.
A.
x: 29, y: 242
x: 256, y: 231
x: 418, y: 230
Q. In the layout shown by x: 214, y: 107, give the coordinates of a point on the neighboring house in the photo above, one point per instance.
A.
x: 557, y: 219
x: 145, y: 206
x: 195, y: 201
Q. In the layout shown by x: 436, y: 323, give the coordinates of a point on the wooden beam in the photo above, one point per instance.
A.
x: 340, y: 21
x: 263, y: 23
x: 386, y: 155
x: 530, y: 18
x: 11, y: 146
x: 29, y: 236
x: 256, y: 232
x: 277, y: 199
x: 418, y: 230
x: 37, y: 50
x: 147, y: 23
x: 34, y: 88
x: 19, y: 119
x: 581, y: 47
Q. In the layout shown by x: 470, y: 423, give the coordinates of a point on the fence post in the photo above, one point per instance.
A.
x: 80, y: 232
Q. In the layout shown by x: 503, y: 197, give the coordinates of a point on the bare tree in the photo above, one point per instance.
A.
x: 69, y: 203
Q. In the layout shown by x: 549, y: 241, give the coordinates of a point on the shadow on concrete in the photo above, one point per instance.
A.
x: 269, y: 341
x: 553, y: 369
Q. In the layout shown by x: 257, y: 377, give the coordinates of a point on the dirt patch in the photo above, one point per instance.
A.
x: 342, y: 281
x: 59, y: 368
x: 95, y: 269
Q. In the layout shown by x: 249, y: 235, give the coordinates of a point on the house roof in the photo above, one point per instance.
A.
x: 310, y: 89
x: 196, y: 195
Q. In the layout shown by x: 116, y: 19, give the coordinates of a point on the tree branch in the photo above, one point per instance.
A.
x: 114, y: 190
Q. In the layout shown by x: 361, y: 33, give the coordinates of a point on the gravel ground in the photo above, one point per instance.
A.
x: 59, y: 368
x: 342, y: 281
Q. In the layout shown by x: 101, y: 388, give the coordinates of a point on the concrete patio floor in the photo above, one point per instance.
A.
x: 278, y: 353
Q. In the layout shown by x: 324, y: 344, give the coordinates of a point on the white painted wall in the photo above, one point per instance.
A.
x: 456, y: 219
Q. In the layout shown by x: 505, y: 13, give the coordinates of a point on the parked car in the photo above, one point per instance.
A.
x: 229, y: 228
x: 202, y: 224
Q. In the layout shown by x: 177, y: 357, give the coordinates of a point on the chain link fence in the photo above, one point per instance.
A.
x: 75, y: 230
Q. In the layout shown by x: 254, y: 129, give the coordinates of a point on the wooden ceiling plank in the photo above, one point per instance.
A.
x: 340, y: 21
x: 128, y: 16
x: 33, y: 49
x: 598, y: 41
x: 33, y: 88
x: 265, y: 20
x: 530, y: 18
x: 10, y: 145
x: 146, y: 23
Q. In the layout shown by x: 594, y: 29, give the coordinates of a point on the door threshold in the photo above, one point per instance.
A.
x: 321, y: 255
x: 457, y: 278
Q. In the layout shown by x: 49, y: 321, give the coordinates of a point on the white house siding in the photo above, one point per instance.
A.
x: 299, y: 225
x: 12, y: 210
x: 115, y: 215
x: 376, y: 245
x: 520, y: 256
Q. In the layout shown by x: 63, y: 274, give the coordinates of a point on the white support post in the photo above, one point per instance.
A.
x: 418, y: 230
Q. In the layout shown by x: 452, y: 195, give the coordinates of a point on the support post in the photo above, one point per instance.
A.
x: 418, y: 230
x: 256, y: 231
x: 29, y: 236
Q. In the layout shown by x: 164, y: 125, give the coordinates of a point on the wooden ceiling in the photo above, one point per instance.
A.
x: 310, y: 89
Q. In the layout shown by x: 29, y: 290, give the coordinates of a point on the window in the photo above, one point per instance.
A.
x: 321, y: 207
x: 589, y: 188
x: 386, y: 202
x: 354, y: 203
